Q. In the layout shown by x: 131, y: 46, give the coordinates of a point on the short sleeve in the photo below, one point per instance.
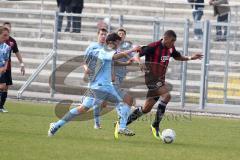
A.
x: 15, y: 47
x: 146, y: 50
x: 175, y: 54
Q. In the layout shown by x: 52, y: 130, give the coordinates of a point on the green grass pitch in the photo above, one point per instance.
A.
x: 23, y: 136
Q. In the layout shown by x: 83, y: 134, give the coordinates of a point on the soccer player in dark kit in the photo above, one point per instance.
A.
x: 11, y: 42
x: 157, y: 55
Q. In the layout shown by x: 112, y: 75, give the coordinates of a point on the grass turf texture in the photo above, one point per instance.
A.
x: 23, y: 136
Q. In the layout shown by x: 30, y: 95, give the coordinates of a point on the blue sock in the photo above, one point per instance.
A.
x: 68, y: 116
x: 124, y: 113
x: 96, y: 114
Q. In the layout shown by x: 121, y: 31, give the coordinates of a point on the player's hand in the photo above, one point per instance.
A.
x: 85, y: 77
x: 130, y: 61
x: 196, y: 56
x: 86, y: 69
x: 23, y: 70
x: 2, y: 70
x: 136, y: 49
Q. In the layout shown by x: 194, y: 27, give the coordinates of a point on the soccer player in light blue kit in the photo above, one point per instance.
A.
x: 120, y: 72
x: 102, y: 88
x: 4, y: 57
x: 91, y: 54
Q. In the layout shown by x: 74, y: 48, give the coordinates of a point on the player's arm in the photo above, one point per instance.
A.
x: 187, y: 58
x: 19, y: 57
x: 86, y: 71
x: 87, y: 59
x: 177, y: 56
x: 125, y: 54
x: 119, y: 63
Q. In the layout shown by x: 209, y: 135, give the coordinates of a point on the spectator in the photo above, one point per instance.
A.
x: 11, y: 42
x: 77, y: 7
x: 222, y: 13
x: 197, y: 15
x: 64, y: 6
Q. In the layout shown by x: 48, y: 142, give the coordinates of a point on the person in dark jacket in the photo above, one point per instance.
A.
x: 222, y: 13
x: 77, y: 7
x: 64, y: 6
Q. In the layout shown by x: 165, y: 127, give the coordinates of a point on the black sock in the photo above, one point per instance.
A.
x: 1, y: 94
x: 159, y: 114
x: 3, y: 98
x: 135, y: 115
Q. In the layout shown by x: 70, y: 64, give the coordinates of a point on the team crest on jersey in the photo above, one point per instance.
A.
x: 165, y: 58
x: 11, y: 44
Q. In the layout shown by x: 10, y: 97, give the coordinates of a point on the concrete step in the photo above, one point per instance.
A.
x: 142, y: 38
x: 71, y: 45
x: 81, y: 45
x: 64, y: 55
x: 76, y: 76
x: 131, y: 9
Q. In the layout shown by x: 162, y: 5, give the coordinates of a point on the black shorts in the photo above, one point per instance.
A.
x: 153, y: 84
x: 6, y: 78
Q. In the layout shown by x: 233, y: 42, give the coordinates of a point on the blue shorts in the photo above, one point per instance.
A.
x: 102, y: 93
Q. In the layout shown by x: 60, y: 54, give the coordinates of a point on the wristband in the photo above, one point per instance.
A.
x: 22, y: 64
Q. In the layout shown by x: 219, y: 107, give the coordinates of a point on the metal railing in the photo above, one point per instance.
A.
x: 155, y: 23
x: 51, y: 56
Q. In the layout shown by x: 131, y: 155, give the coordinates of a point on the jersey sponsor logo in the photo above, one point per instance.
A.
x: 165, y: 58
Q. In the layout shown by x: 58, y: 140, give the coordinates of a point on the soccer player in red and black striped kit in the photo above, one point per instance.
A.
x: 8, y: 74
x: 157, y: 55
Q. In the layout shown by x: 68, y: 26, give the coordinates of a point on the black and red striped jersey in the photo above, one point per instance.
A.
x: 157, y: 58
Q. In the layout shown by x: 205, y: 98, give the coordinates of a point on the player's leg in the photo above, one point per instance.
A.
x: 3, y: 91
x: 126, y: 105
x: 96, y: 113
x: 2, y: 98
x: 87, y: 103
x: 123, y: 110
x: 8, y: 79
x: 128, y: 99
x: 165, y: 98
x: 66, y: 118
x: 152, y: 98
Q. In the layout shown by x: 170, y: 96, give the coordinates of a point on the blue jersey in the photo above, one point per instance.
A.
x: 4, y: 54
x: 91, y: 55
x: 121, y: 71
x: 103, y: 70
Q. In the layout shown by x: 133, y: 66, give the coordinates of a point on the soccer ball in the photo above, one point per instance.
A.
x: 168, y: 136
